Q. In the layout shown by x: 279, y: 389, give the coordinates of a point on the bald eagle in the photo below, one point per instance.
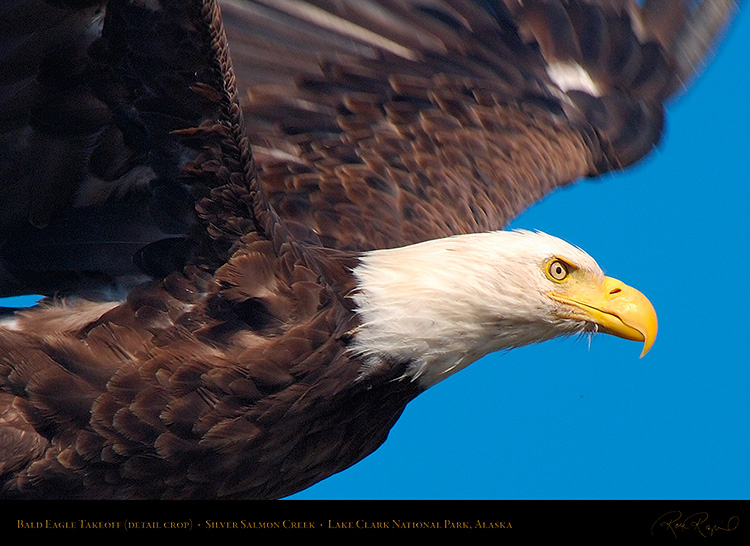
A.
x: 252, y: 263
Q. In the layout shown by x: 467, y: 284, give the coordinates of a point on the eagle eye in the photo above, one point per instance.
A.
x: 558, y: 270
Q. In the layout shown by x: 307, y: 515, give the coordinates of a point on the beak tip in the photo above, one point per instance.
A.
x: 648, y: 342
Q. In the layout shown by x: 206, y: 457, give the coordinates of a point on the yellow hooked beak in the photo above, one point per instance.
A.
x: 615, y: 307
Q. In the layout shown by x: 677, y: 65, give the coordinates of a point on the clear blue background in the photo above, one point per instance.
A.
x: 573, y: 420
x: 565, y: 420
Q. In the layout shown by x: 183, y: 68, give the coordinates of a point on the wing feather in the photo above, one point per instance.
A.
x: 470, y: 111
x: 373, y: 123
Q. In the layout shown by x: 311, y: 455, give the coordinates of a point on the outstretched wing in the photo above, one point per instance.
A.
x: 374, y: 123
x: 379, y: 124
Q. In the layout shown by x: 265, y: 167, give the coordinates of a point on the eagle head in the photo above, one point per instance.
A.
x: 442, y: 304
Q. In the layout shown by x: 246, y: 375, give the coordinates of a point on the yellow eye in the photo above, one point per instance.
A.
x: 558, y: 270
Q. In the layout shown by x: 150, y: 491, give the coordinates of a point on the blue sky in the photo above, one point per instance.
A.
x: 565, y: 420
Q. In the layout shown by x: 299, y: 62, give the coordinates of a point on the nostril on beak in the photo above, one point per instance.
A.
x: 615, y: 291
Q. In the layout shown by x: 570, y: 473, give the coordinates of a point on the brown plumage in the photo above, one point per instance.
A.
x: 230, y: 199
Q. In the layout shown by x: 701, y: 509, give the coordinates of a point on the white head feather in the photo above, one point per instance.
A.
x: 443, y: 304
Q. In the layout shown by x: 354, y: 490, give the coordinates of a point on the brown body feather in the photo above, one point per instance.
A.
x: 126, y: 134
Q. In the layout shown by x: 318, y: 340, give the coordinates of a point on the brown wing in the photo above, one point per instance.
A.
x: 375, y: 123
x: 379, y: 124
